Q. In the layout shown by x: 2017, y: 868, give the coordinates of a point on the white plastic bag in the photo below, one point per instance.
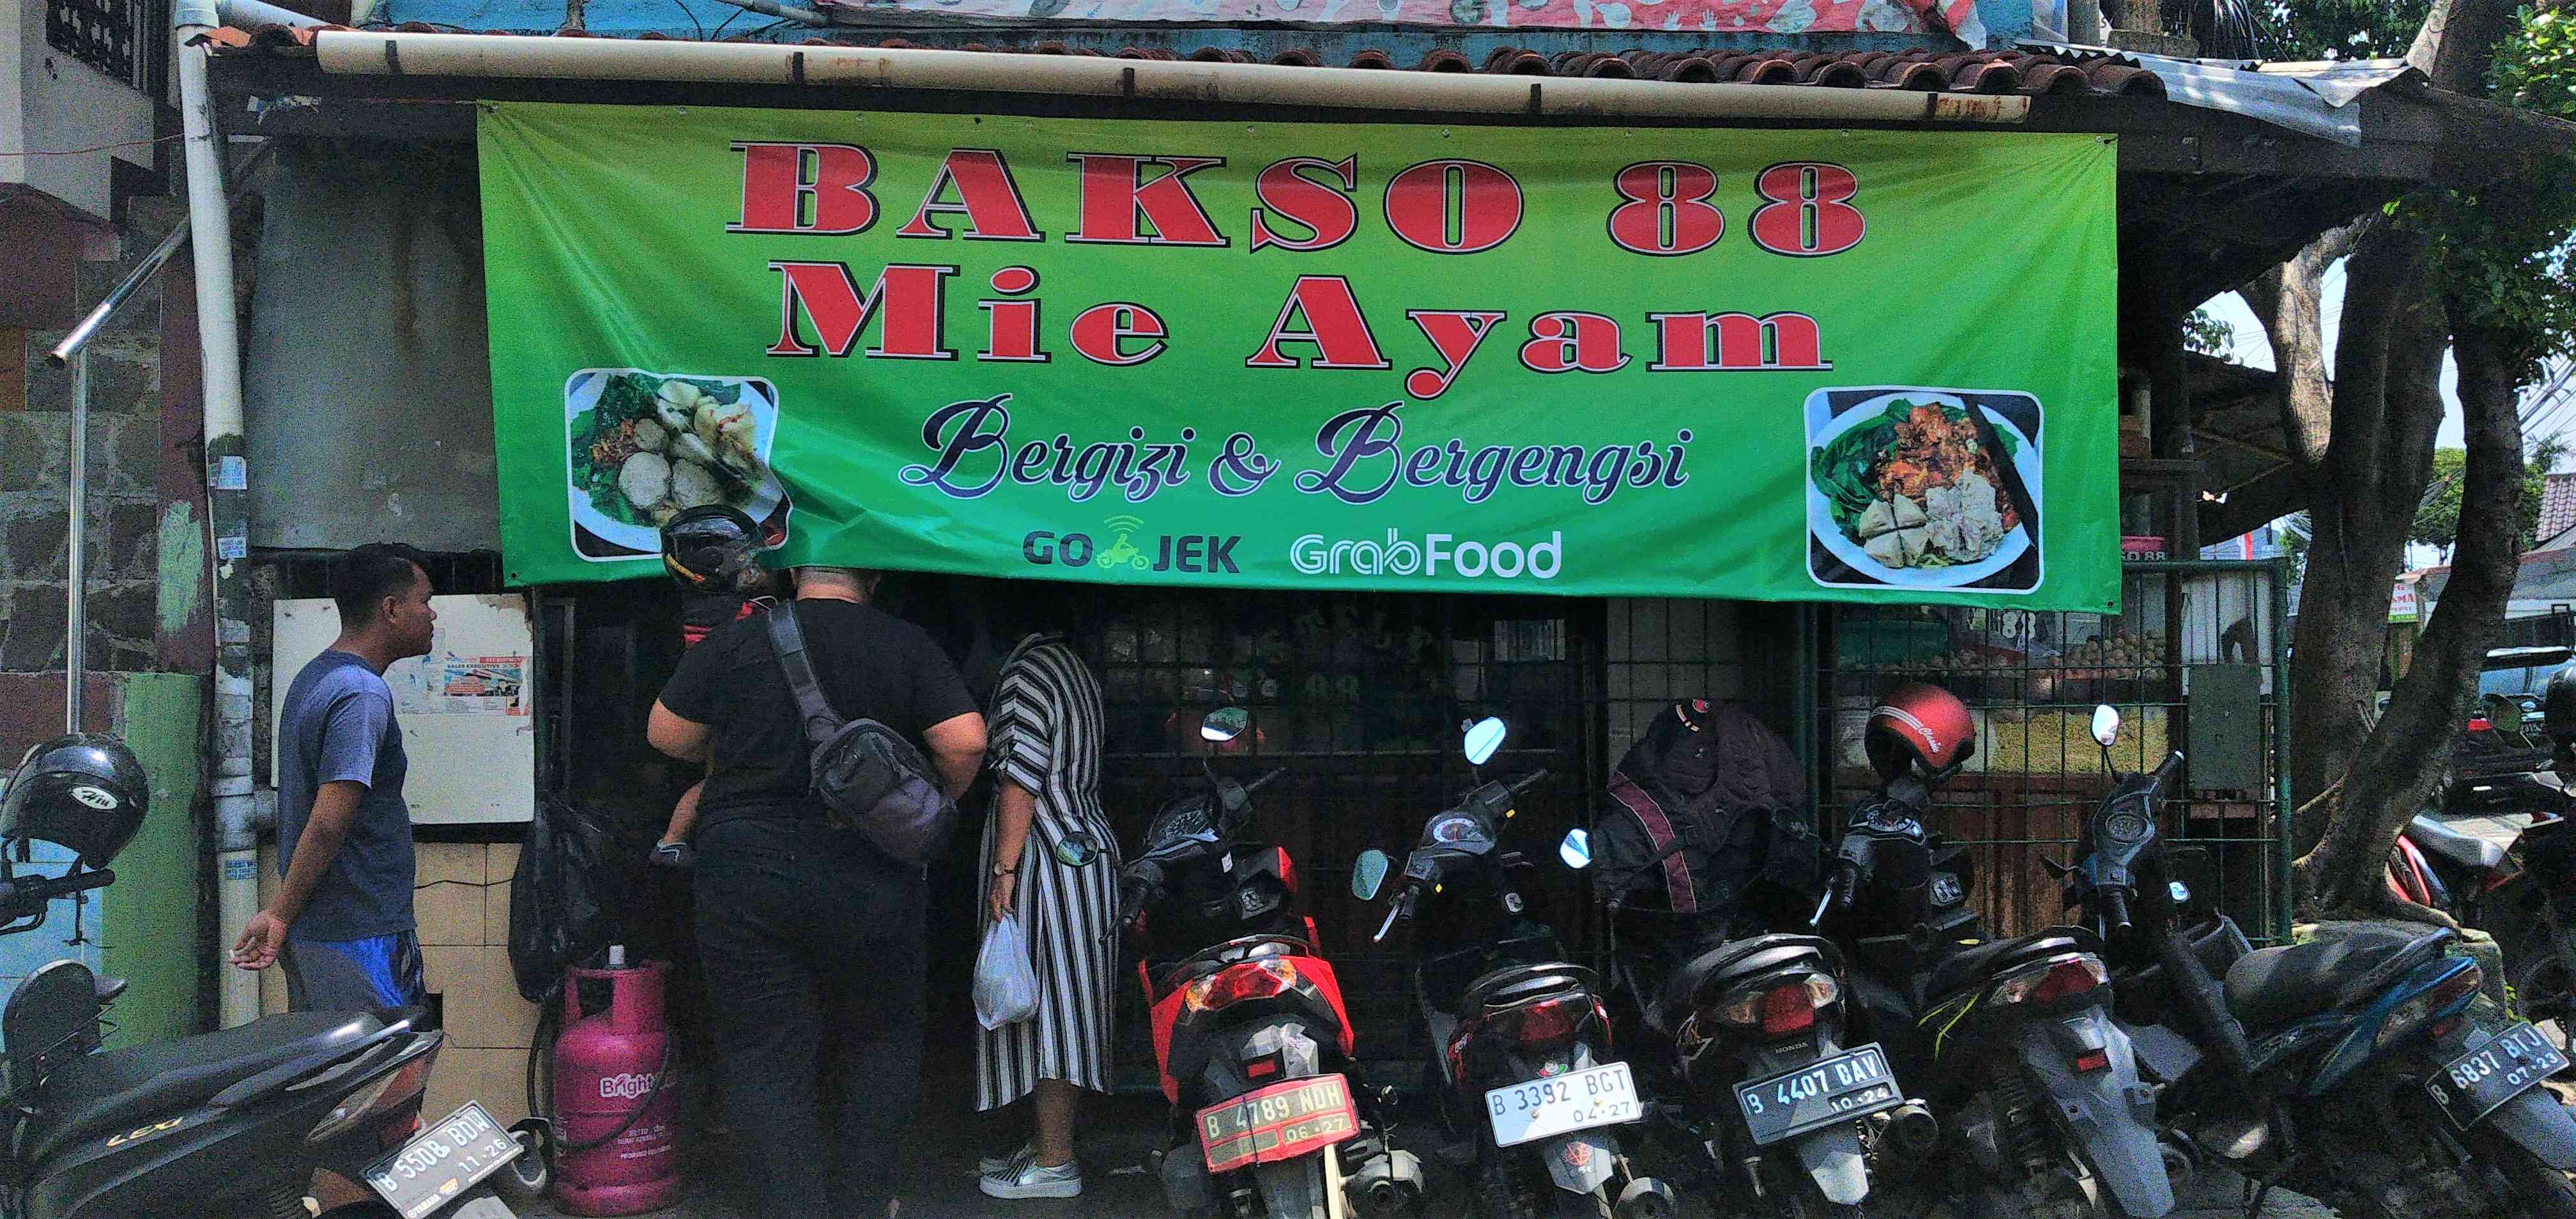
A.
x: 1006, y: 987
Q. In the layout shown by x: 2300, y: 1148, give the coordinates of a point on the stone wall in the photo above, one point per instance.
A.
x: 148, y: 601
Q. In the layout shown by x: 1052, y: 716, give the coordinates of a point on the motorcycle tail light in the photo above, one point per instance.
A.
x: 2057, y: 978
x: 374, y: 1098
x: 2091, y: 1061
x: 1262, y: 979
x: 2409, y: 1017
x: 1781, y: 1008
x: 1552, y: 1021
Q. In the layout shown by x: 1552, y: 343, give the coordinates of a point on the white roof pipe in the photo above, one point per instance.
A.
x: 236, y: 840
x: 252, y: 12
x: 367, y: 52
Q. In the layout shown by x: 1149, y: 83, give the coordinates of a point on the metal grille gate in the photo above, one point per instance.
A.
x: 2195, y: 660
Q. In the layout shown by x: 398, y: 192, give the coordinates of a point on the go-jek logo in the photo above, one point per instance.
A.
x: 1436, y: 554
x: 1197, y: 553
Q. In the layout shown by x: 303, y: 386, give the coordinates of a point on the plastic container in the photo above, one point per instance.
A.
x: 607, y: 1066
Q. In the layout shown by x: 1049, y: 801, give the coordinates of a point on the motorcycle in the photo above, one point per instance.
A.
x: 2514, y: 891
x: 228, y: 1125
x: 1251, y: 1039
x: 2368, y: 1071
x: 1518, y: 1034
x: 2012, y: 1040
x: 1752, y: 1033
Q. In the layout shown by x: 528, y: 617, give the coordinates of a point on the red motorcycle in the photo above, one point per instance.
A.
x: 1250, y: 1035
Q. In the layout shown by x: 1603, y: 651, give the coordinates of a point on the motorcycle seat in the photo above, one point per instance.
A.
x: 1708, y: 973
x: 2467, y: 850
x: 2274, y: 986
x: 137, y: 1087
x: 1973, y: 966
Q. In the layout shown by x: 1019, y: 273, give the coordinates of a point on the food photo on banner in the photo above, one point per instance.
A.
x: 1601, y: 362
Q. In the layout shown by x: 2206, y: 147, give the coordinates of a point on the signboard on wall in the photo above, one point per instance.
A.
x: 1786, y: 365
x: 464, y: 709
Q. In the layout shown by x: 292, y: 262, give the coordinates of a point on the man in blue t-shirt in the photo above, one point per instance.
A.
x: 342, y: 920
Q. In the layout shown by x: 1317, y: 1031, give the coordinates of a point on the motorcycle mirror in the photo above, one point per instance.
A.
x: 1576, y: 850
x: 2106, y: 726
x: 1483, y: 738
x: 1224, y: 724
x: 1368, y: 874
x: 1077, y: 849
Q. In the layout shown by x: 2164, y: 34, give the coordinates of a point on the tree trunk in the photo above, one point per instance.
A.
x: 2363, y: 444
x: 2401, y: 763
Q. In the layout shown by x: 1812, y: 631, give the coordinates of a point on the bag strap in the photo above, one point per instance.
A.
x: 788, y: 636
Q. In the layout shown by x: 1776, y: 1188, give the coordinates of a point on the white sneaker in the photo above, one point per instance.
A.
x: 1027, y: 1179
x: 991, y: 1165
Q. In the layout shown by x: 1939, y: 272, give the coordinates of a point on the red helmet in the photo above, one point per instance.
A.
x: 1922, y: 728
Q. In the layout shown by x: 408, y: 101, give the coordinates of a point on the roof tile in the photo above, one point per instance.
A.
x: 2557, y: 505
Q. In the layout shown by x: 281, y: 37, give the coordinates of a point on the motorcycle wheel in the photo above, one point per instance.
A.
x: 2536, y: 1189
x: 2546, y: 993
x: 1594, y: 1205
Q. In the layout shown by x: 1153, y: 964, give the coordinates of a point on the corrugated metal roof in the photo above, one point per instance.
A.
x: 2022, y: 72
x: 2310, y: 97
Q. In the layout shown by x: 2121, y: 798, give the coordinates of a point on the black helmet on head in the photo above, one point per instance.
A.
x: 709, y: 548
x: 84, y: 791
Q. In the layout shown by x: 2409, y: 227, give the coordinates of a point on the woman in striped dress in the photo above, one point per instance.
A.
x: 1046, y: 729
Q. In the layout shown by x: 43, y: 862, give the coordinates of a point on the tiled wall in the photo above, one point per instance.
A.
x: 464, y: 907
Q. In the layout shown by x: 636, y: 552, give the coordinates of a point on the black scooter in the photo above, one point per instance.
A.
x: 1519, y: 1038
x: 2367, y: 1070
x: 2011, y: 1040
x: 1757, y: 1077
x: 229, y: 1125
x: 1269, y: 1117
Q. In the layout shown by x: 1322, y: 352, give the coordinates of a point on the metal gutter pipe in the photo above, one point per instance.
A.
x: 76, y: 554
x: 227, y: 480
x: 87, y: 328
x: 376, y: 53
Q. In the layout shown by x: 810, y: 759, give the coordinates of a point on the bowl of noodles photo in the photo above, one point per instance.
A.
x: 642, y: 447
x: 1903, y: 489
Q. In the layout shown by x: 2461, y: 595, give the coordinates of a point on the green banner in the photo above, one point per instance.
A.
x: 1785, y: 365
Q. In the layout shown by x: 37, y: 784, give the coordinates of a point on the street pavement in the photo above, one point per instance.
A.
x: 1119, y: 1134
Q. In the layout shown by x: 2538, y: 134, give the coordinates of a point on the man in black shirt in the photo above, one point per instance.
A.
x: 802, y: 927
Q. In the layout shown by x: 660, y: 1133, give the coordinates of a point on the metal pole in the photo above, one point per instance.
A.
x: 75, y: 614
x: 144, y: 271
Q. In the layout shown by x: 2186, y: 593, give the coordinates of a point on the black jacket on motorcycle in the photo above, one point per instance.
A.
x: 1712, y: 776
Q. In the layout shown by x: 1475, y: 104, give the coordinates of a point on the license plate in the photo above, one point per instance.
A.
x: 1279, y: 1122
x: 1540, y: 1108
x: 2476, y: 1083
x: 1837, y: 1089
x: 442, y: 1162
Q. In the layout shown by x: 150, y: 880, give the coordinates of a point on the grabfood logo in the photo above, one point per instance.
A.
x: 1434, y: 554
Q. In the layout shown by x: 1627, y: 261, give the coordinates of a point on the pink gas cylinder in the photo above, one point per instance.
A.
x: 607, y: 1067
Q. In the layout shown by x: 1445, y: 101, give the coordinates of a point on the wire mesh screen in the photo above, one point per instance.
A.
x: 2194, y: 661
